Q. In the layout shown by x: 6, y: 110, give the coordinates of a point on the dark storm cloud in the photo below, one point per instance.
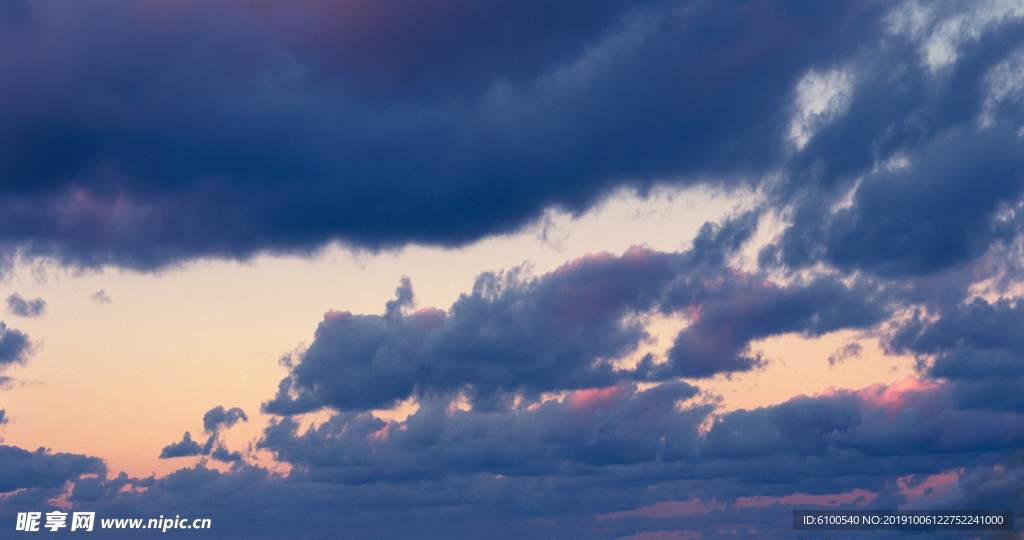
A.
x: 15, y: 346
x: 977, y: 326
x: 942, y: 209
x: 25, y: 308
x: 824, y: 444
x: 143, y: 134
x: 545, y: 471
x: 984, y: 487
x: 140, y: 134
x: 877, y: 424
x: 590, y: 428
x: 21, y: 469
x: 284, y: 127
x: 979, y: 346
x: 566, y: 329
x: 594, y: 452
x: 512, y: 333
x: 738, y: 309
x: 930, y: 147
x: 89, y: 489
x: 419, y: 47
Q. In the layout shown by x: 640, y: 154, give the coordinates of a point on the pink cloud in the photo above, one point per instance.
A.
x: 928, y: 397
x: 428, y: 318
x: 337, y: 317
x: 666, y: 509
x: 662, y: 535
x: 598, y: 285
x: 933, y: 486
x: 589, y: 400
x: 859, y: 496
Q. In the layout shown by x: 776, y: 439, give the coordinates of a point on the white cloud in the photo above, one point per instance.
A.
x: 942, y: 28
x: 1005, y: 83
x: 820, y: 99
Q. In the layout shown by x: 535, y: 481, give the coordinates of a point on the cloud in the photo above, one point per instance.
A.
x: 875, y: 190
x: 100, y: 297
x: 884, y: 137
x: 215, y: 420
x: 626, y: 444
x: 99, y: 489
x: 940, y: 210
x: 911, y: 418
x: 221, y: 454
x: 589, y: 428
x: 25, y: 308
x: 22, y: 469
x: 738, y: 309
x: 594, y: 452
x: 850, y: 350
x: 186, y: 447
x: 15, y: 347
x: 978, y: 346
x: 461, y: 121
x: 420, y: 46
x: 907, y: 111
x: 565, y: 330
x: 828, y: 443
x: 511, y: 334
x: 942, y: 29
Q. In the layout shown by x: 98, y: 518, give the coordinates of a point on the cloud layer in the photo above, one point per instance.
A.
x: 126, y: 146
x: 883, y: 139
x: 566, y: 330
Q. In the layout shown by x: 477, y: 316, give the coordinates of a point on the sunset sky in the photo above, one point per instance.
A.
x: 648, y: 270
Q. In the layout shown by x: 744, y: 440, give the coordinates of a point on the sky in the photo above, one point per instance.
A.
x: 647, y: 270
